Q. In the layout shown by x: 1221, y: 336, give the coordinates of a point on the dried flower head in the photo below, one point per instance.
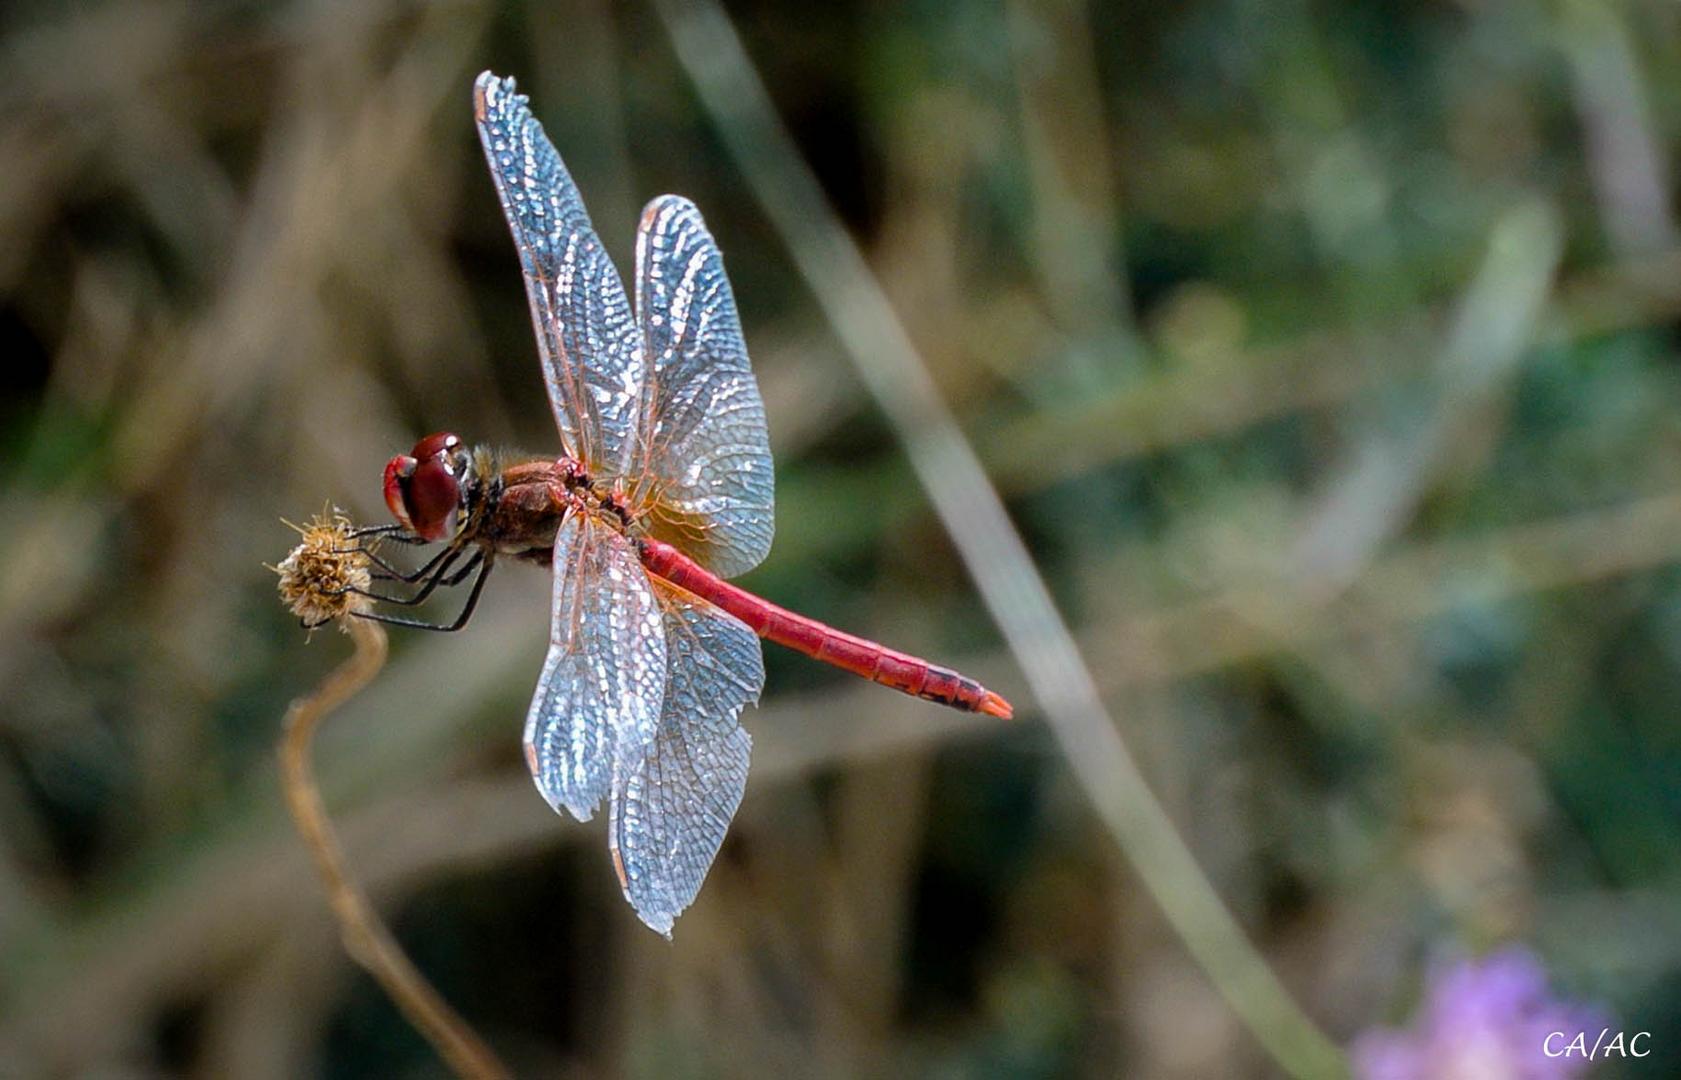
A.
x: 318, y: 579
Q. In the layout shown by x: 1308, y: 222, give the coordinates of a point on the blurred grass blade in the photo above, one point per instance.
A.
x: 1393, y: 467
x: 1626, y: 154
x: 888, y: 362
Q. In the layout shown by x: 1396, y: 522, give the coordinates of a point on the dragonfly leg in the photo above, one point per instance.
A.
x: 390, y: 531
x: 386, y: 571
x: 392, y: 573
x: 484, y: 564
x: 440, y: 576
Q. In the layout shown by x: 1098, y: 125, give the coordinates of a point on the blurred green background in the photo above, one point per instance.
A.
x: 1325, y: 355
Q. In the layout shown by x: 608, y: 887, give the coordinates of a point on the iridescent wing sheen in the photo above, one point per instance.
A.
x: 591, y: 351
x: 672, y: 806
x: 705, y: 450
x: 599, y: 697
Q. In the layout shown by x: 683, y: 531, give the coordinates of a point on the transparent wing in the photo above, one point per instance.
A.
x: 591, y: 351
x: 672, y: 806
x: 598, y: 698
x: 705, y: 451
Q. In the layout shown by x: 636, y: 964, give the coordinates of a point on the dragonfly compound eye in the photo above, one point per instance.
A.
x: 431, y: 497
x: 443, y: 443
x: 422, y: 489
x: 398, y: 471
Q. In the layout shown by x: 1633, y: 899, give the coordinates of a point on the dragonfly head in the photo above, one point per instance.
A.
x: 423, y: 488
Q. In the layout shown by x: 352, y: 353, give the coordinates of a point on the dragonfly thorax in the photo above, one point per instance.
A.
x: 607, y: 497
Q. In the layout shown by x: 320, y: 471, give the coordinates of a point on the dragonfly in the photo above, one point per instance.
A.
x: 664, y: 490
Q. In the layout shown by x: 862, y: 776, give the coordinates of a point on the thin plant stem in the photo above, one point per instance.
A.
x: 973, y: 513
x: 366, y: 938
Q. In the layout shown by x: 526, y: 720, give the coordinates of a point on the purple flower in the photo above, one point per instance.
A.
x: 1487, y: 1019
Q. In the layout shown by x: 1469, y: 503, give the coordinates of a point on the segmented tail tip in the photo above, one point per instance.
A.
x: 994, y: 705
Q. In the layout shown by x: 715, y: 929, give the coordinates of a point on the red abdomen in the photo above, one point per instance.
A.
x: 873, y: 661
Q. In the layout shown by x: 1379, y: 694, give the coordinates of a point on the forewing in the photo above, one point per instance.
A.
x: 672, y: 807
x: 591, y: 351
x: 598, y: 699
x: 705, y: 449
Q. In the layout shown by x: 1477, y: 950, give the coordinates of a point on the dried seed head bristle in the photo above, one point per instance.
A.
x: 317, y: 578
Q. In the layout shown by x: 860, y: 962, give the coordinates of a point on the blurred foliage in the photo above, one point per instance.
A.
x: 1326, y: 357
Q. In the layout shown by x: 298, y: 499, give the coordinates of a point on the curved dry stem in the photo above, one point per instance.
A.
x: 366, y: 939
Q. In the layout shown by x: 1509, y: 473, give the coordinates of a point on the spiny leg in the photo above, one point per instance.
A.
x: 484, y: 563
x: 441, y: 576
x: 395, y: 533
x: 392, y: 573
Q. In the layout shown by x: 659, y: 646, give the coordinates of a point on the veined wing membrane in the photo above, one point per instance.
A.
x: 672, y: 806
x: 705, y: 449
x: 598, y: 700
x: 592, y: 356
